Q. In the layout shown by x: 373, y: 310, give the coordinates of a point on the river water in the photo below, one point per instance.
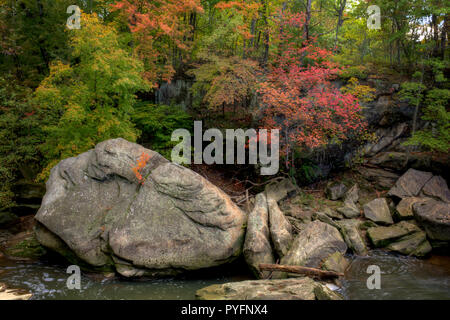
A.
x: 401, y: 278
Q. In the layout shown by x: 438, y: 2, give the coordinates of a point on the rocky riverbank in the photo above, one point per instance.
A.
x: 101, y: 215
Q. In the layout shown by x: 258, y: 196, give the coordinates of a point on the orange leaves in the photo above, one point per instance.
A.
x: 158, y: 26
x: 141, y: 163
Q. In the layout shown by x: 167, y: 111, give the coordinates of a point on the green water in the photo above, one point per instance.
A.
x: 401, y: 278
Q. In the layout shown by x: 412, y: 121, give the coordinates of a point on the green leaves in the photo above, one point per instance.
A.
x: 91, y: 100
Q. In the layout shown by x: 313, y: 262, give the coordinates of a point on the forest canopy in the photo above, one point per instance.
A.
x: 250, y: 63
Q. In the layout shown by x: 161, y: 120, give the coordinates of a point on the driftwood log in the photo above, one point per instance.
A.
x: 300, y: 270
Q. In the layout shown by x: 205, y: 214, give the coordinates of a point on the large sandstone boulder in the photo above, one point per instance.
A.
x: 286, y: 289
x: 314, y: 244
x: 434, y: 217
x: 335, y: 190
x: 257, y: 248
x: 174, y: 220
x: 404, y: 209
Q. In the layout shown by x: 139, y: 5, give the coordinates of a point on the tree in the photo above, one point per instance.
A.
x: 162, y: 30
x: 299, y: 98
x: 92, y: 99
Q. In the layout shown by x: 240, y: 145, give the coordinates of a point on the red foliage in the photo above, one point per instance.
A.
x: 299, y: 97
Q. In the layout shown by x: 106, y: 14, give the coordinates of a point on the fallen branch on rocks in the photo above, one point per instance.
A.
x: 300, y: 270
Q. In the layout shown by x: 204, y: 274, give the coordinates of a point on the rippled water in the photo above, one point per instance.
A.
x: 401, y: 278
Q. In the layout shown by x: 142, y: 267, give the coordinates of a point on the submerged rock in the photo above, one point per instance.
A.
x: 377, y: 210
x: 165, y: 220
x: 434, y: 217
x: 257, y: 248
x: 286, y: 289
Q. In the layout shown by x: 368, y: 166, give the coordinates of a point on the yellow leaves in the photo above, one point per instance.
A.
x: 363, y: 93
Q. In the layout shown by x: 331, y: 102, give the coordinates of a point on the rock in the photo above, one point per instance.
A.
x: 324, y: 218
x: 352, y: 195
x: 350, y: 231
x: 404, y: 209
x: 335, y: 262
x: 314, y: 244
x: 13, y: 294
x: 280, y: 190
x: 437, y: 188
x: 335, y: 190
x: 332, y: 214
x: 8, y: 219
x: 173, y: 221
x: 280, y: 229
x: 377, y: 210
x: 415, y: 244
x: 391, y: 160
x: 434, y: 217
x: 382, y: 236
x: 386, y: 137
x: 257, y: 248
x: 285, y: 289
x: 381, y: 178
x: 410, y: 184
x: 349, y: 210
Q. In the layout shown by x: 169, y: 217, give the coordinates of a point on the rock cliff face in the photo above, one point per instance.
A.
x: 169, y: 221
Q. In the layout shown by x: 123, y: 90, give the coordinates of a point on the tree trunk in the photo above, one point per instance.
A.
x: 300, y: 270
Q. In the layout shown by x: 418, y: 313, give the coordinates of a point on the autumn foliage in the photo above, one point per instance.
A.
x: 141, y: 163
x: 298, y: 94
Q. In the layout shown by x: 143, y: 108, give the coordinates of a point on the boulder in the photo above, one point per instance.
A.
x: 415, y: 244
x: 352, y: 195
x: 314, y: 244
x: 410, y: 184
x: 349, y: 210
x: 336, y: 262
x: 335, y: 190
x: 384, y: 179
x: 382, y: 236
x: 377, y: 210
x: 390, y: 160
x: 434, y: 217
x: 7, y: 293
x: 257, y: 248
x: 285, y: 289
x: 350, y: 231
x: 280, y: 229
x: 404, y: 209
x: 158, y: 218
x: 280, y: 190
x: 437, y: 188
